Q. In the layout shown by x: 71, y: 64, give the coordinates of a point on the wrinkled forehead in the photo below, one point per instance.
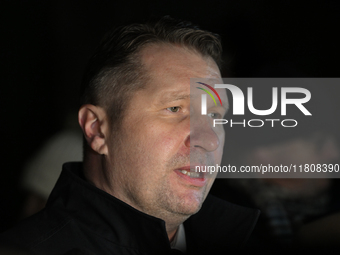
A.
x: 170, y: 69
x: 174, y: 61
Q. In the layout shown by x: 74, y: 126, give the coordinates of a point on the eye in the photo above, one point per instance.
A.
x: 174, y: 109
x: 214, y: 115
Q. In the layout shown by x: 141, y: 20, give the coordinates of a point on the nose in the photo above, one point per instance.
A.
x: 202, y: 134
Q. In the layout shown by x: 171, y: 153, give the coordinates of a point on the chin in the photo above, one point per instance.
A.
x: 190, y: 206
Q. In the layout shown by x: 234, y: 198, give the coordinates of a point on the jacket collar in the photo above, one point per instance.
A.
x: 108, y: 216
x: 218, y: 224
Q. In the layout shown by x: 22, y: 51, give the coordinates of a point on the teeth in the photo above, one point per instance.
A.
x: 190, y: 174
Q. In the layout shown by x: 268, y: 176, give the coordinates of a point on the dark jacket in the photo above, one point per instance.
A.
x: 82, y: 218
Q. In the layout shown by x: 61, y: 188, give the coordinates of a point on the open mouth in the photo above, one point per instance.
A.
x: 192, y: 174
x: 191, y: 177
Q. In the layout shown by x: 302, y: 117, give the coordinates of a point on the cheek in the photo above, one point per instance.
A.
x: 153, y: 144
x: 165, y: 140
x: 168, y: 143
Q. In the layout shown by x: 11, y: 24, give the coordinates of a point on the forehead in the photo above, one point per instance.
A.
x: 173, y: 66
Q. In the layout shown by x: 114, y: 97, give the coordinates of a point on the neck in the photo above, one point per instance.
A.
x: 171, y: 234
x: 173, y: 224
x: 93, y: 167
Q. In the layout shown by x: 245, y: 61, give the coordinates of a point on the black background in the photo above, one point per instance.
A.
x: 45, y: 46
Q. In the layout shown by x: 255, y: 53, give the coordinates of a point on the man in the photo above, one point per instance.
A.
x: 144, y: 135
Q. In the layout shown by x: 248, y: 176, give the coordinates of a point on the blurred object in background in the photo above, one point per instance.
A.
x: 43, y: 170
x: 321, y: 233
x: 286, y: 204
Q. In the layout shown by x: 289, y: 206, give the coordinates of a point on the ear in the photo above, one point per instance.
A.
x: 93, y: 121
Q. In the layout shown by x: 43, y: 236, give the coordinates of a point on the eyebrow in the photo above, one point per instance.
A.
x: 172, y: 97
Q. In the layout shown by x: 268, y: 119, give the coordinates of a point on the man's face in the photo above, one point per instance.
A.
x: 150, y: 159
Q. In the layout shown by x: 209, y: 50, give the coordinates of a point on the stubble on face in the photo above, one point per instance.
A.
x: 157, y: 200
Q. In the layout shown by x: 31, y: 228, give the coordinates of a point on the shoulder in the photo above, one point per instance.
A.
x: 35, y: 231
